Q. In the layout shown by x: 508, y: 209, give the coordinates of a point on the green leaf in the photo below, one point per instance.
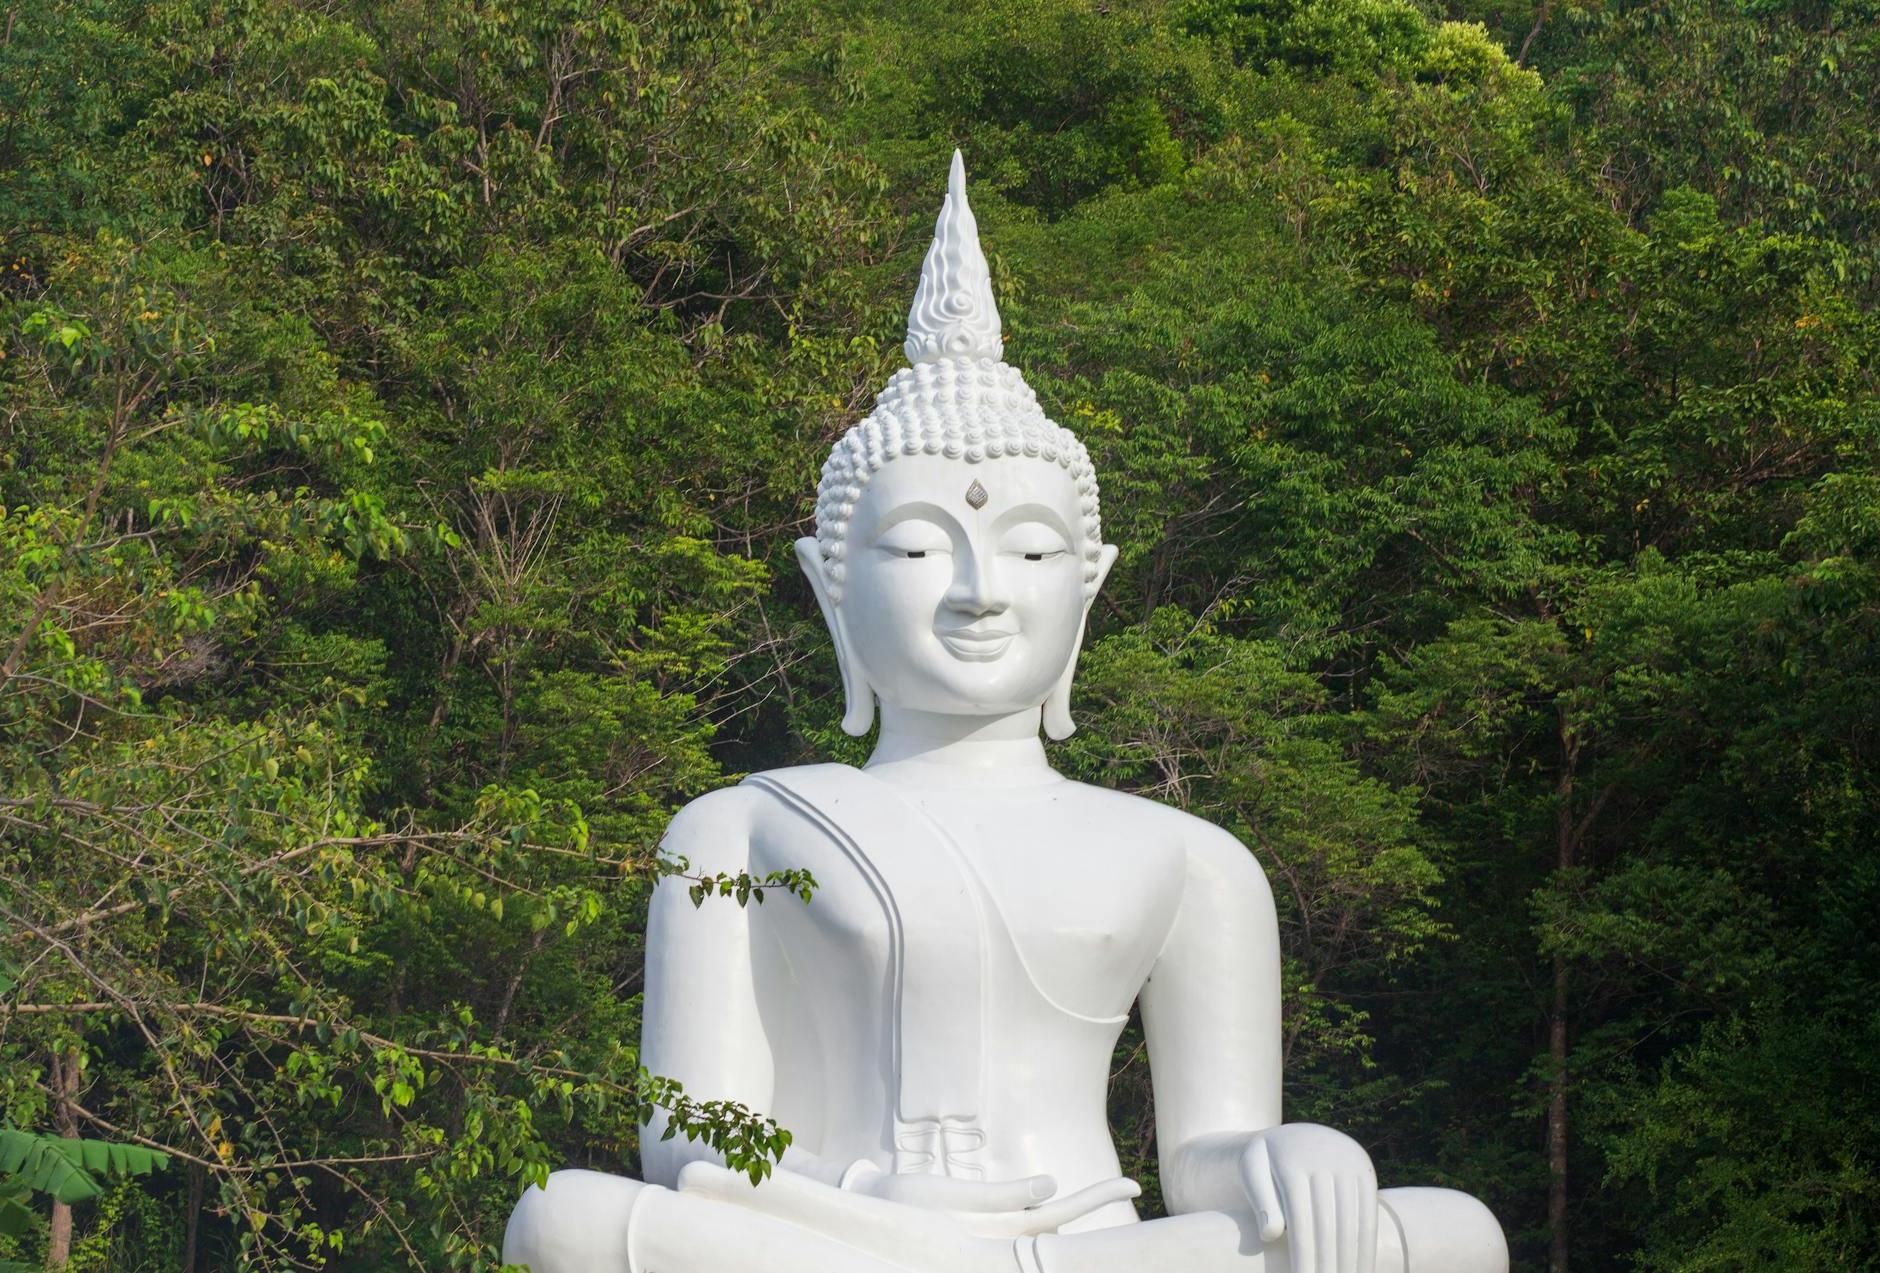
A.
x: 68, y: 1168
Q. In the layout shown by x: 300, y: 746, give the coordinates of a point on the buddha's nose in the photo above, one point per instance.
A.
x: 976, y: 585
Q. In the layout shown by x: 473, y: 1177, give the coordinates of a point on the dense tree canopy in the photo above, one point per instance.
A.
x: 405, y: 412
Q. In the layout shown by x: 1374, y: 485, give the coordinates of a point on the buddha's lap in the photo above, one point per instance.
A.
x: 582, y: 1221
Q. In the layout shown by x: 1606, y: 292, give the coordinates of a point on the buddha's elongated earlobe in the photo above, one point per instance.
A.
x: 858, y: 717
x: 1058, y: 724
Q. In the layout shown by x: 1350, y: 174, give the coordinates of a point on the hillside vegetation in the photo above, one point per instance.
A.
x: 406, y: 410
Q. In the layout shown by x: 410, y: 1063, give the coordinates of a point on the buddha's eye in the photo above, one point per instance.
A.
x: 914, y: 539
x: 1033, y: 541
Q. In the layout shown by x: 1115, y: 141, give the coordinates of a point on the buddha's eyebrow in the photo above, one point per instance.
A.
x: 1034, y: 513
x: 912, y: 509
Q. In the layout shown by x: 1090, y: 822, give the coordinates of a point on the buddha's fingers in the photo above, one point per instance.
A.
x: 1257, y: 1174
x: 784, y: 1194
x: 946, y: 1193
x: 1295, y: 1195
x: 902, y: 1235
x: 1059, y: 1212
x: 1325, y: 1221
x: 1049, y: 1217
x: 1367, y: 1230
x: 1350, y: 1225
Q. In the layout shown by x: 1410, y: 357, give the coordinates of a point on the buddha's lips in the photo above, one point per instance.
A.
x: 977, y: 646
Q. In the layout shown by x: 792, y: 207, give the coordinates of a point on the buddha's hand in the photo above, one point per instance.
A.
x: 1316, y: 1188
x: 993, y: 1208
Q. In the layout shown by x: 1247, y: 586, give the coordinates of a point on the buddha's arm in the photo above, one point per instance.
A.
x: 1211, y: 1010
x: 701, y: 1024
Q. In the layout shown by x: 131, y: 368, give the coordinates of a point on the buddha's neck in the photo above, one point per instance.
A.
x: 927, y: 749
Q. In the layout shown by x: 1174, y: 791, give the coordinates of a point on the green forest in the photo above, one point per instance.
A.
x: 406, y: 411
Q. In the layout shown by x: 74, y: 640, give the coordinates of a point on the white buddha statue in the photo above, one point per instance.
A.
x: 935, y: 1025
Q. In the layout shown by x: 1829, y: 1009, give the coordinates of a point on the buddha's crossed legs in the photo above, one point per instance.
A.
x: 717, y: 1222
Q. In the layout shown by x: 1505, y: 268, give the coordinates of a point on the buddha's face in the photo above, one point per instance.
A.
x: 958, y: 609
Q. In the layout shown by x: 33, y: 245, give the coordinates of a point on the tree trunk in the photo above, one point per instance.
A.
x: 59, y: 1236
x: 65, y: 1085
x: 1566, y: 837
x: 192, y: 1218
x: 1557, y: 1123
x: 1540, y: 20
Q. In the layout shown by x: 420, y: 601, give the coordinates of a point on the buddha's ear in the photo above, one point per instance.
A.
x: 1057, y: 706
x: 858, y: 716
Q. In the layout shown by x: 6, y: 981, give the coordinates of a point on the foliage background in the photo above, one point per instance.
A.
x: 405, y: 411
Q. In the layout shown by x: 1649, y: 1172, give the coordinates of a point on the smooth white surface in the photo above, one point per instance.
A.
x: 935, y: 1027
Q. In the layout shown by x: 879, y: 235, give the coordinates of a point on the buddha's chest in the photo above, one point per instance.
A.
x: 1071, y: 895
x: 1086, y: 896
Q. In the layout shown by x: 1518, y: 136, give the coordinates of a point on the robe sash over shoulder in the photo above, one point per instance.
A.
x: 938, y: 962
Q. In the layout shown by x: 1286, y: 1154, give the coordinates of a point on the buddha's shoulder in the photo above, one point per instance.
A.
x: 716, y: 808
x: 728, y: 818
x: 736, y: 805
x: 714, y: 830
x: 1196, y: 834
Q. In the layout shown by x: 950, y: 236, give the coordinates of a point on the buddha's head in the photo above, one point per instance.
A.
x: 958, y: 545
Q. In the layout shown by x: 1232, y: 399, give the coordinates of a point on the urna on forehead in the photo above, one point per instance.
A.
x: 959, y: 399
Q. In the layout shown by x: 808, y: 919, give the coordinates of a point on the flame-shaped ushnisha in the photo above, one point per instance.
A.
x: 954, y: 315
